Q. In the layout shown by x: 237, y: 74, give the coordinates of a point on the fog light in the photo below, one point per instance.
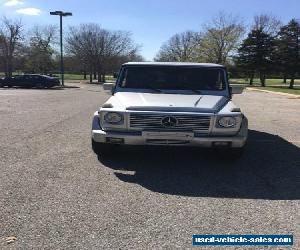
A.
x: 115, y: 140
x: 221, y: 143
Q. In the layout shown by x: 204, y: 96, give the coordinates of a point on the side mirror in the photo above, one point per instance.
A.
x: 234, y: 90
x: 108, y: 86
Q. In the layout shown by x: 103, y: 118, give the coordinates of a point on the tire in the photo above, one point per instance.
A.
x: 39, y: 86
x: 230, y: 154
x: 102, y: 148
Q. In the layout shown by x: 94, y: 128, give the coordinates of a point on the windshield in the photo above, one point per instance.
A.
x: 172, y: 78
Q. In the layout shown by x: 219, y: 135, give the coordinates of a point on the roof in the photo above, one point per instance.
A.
x: 47, y: 76
x: 174, y: 64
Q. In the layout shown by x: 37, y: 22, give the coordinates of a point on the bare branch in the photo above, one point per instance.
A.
x: 10, y: 35
x: 180, y: 47
x: 268, y: 23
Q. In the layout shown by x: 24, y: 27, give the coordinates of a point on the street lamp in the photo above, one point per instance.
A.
x: 61, y: 14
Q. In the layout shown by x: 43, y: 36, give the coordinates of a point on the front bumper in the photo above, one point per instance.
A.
x: 179, y: 139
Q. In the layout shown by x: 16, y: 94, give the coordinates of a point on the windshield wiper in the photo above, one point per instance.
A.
x: 196, y: 91
x: 154, y: 89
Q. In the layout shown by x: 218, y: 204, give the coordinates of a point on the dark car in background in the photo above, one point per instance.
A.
x: 30, y: 81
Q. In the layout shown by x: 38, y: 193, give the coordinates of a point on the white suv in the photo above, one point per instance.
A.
x: 173, y: 104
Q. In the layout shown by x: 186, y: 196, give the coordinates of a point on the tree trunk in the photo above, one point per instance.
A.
x: 99, y: 72
x: 292, y: 82
x: 103, y: 77
x: 91, y: 77
x: 99, y: 76
x: 6, y: 73
x: 95, y: 75
x: 284, y: 78
x: 84, y: 75
x: 262, y: 79
x: 8, y: 68
x: 251, y: 79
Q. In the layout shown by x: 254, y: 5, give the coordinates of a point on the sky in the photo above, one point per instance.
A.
x: 151, y: 22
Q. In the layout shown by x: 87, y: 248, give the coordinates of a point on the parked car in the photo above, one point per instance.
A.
x: 31, y: 80
x: 173, y: 104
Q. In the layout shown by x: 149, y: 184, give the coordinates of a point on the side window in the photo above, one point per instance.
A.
x: 124, y: 78
x: 219, y: 80
x: 215, y: 78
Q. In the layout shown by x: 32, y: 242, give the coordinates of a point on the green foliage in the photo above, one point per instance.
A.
x: 255, y: 53
x: 39, y: 52
x: 39, y: 57
x: 264, y: 53
x: 288, y: 49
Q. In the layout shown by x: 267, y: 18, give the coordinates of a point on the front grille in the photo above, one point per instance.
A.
x: 185, y: 122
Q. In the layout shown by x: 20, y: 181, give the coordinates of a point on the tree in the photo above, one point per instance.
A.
x: 113, y: 64
x: 116, y: 44
x: 81, y: 44
x: 181, y: 47
x: 10, y: 36
x: 220, y: 38
x: 98, y: 48
x: 269, y: 24
x: 255, y: 54
x: 288, y: 49
x: 245, y: 60
x: 40, y: 51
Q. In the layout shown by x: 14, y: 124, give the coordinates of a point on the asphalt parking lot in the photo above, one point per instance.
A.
x: 56, y: 193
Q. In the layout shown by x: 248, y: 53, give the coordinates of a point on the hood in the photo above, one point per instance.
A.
x: 168, y: 102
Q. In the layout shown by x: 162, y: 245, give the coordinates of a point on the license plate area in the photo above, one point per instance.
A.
x: 168, y: 135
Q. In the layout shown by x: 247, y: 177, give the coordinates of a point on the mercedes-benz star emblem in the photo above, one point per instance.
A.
x: 169, y: 121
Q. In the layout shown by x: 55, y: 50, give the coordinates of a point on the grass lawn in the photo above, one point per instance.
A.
x: 80, y: 77
x: 295, y: 91
x: 256, y: 81
x: 72, y: 76
x: 275, y: 85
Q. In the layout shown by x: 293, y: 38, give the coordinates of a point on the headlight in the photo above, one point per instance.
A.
x: 227, y: 121
x: 113, y: 118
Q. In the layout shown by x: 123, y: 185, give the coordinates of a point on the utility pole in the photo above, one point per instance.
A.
x: 61, y: 14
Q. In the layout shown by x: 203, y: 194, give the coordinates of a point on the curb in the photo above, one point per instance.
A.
x: 272, y: 92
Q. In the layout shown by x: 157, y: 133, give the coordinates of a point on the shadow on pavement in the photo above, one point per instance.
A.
x: 269, y: 169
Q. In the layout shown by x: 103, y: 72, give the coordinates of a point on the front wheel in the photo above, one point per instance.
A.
x: 102, y: 148
x: 39, y: 86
